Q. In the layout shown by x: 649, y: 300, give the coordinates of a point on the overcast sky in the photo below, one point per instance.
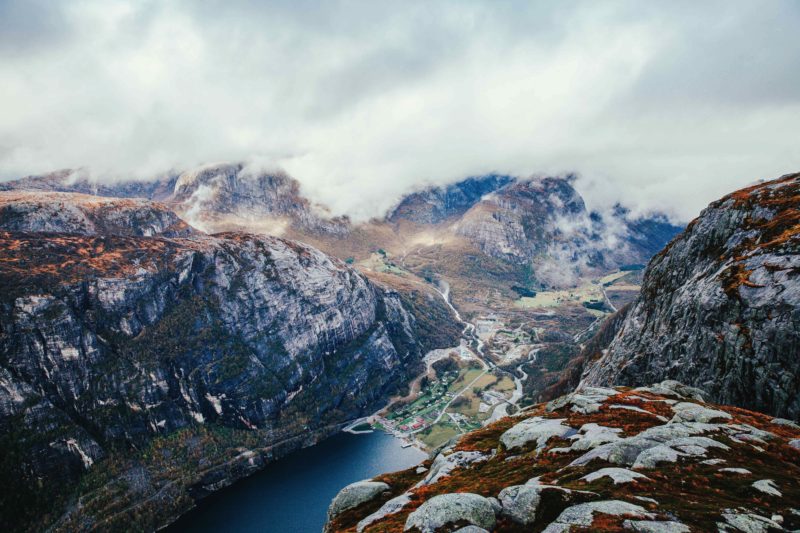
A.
x: 665, y: 105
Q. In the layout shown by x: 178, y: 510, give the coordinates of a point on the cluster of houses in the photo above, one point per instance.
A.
x: 489, y: 398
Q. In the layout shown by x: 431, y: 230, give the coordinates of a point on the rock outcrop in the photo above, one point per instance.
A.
x: 162, y: 369
x: 354, y: 495
x: 720, y: 306
x: 653, y: 459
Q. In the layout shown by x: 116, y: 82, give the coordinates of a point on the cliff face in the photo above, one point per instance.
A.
x: 111, y: 343
x: 650, y: 459
x: 720, y: 306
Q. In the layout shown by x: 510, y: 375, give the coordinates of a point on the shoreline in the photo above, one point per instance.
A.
x: 406, y: 441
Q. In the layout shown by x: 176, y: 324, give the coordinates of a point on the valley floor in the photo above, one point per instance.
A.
x: 508, y: 355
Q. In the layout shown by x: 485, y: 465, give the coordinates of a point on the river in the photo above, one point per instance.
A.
x: 292, y: 494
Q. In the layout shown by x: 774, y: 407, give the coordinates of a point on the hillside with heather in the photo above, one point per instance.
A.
x: 654, y: 458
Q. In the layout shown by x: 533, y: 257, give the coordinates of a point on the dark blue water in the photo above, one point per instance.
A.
x: 292, y: 495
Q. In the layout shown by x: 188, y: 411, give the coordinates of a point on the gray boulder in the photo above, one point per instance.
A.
x: 520, y: 502
x: 692, y: 412
x: 536, y: 429
x: 445, y: 463
x: 354, y: 495
x: 392, y: 506
x: 655, y: 526
x: 451, y: 508
x: 583, y: 514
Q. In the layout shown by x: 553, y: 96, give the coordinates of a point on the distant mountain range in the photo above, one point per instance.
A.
x: 538, y: 228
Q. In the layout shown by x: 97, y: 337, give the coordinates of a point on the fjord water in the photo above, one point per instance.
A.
x: 292, y: 495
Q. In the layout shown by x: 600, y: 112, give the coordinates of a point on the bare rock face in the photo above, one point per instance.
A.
x: 720, y: 306
x: 35, y: 211
x: 111, y: 344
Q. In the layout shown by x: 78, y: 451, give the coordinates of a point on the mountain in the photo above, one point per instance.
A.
x: 719, y: 307
x: 437, y: 204
x: 78, y: 181
x: 218, y: 197
x: 649, y: 459
x: 83, y: 214
x: 226, y: 196
x: 544, y: 223
x: 144, y: 364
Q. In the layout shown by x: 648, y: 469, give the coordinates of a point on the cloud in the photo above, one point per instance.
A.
x: 662, y: 106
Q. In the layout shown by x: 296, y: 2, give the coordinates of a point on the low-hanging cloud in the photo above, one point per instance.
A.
x: 660, y: 105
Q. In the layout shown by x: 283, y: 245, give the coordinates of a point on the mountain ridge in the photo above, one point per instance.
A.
x: 535, y: 225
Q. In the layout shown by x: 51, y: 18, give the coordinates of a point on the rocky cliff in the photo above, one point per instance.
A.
x: 650, y: 459
x: 720, y: 306
x: 137, y: 372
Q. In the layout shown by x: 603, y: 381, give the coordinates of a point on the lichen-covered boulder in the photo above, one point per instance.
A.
x: 617, y: 475
x: 670, y: 387
x: 450, y: 509
x: 583, y: 514
x: 354, y: 495
x: 655, y: 526
x: 692, y: 412
x: 392, y: 506
x: 586, y: 401
x: 520, y: 502
x: 447, y: 462
x: 747, y: 522
x: 536, y: 429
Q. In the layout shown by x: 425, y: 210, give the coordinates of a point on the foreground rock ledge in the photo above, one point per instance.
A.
x: 603, y: 459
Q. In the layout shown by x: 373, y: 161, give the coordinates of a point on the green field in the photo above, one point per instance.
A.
x: 438, y: 433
